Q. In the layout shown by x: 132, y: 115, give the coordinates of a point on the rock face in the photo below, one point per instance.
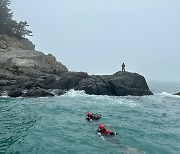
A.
x: 37, y: 92
x: 117, y: 84
x: 29, y: 73
x: 11, y: 43
x: 15, y: 93
x: 29, y: 61
x: 20, y: 57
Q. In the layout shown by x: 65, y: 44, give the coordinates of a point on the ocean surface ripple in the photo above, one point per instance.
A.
x: 150, y: 124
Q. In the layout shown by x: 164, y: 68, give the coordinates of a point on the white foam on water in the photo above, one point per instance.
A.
x: 165, y: 94
x: 116, y: 100
x: 122, y: 100
x: 4, y: 94
x: 74, y: 93
x: 104, y: 100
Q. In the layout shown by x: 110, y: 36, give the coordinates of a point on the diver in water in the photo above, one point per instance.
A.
x: 91, y: 117
x: 105, y: 131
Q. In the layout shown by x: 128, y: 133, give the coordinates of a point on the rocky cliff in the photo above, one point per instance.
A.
x: 20, y: 58
x: 27, y: 72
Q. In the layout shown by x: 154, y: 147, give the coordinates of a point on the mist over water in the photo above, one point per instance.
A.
x: 57, y: 124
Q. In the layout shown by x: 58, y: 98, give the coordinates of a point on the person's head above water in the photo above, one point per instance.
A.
x: 90, y: 114
x: 101, y: 126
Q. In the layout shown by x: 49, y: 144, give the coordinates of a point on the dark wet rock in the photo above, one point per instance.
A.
x: 59, y: 92
x: 81, y: 75
x: 50, y: 79
x: 29, y: 84
x: 15, y: 93
x: 129, y: 84
x: 66, y: 81
x: 117, y: 84
x: 88, y: 85
x: 8, y: 82
x: 10, y: 88
x: 37, y: 92
x: 5, y: 83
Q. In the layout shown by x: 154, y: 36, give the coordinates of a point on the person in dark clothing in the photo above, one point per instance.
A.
x: 105, y: 131
x: 123, y: 68
x: 91, y: 117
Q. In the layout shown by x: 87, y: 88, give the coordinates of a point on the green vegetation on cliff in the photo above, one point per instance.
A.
x: 8, y: 25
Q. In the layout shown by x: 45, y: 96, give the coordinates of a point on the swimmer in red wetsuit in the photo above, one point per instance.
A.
x: 91, y: 117
x: 105, y: 131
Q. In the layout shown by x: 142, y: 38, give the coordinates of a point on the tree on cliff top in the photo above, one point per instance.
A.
x: 10, y: 26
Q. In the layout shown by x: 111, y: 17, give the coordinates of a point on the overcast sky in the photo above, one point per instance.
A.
x: 97, y: 36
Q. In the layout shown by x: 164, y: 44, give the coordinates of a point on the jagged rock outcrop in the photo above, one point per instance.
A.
x: 114, y: 85
x: 29, y: 62
x: 29, y: 73
x: 37, y: 92
x: 11, y: 43
x: 20, y: 57
x: 117, y: 84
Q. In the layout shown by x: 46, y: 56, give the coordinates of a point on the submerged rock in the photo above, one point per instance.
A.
x: 177, y: 94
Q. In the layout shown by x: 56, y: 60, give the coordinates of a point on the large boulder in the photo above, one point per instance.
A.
x: 88, y: 85
x: 95, y: 85
x: 37, y: 92
x: 129, y: 84
x: 15, y: 93
x: 118, y: 84
x: 59, y: 92
x: 66, y: 81
x: 29, y: 62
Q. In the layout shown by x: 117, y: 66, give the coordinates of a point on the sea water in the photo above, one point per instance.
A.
x: 50, y: 125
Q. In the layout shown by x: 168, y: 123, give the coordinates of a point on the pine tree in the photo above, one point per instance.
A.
x: 5, y: 15
x: 9, y: 26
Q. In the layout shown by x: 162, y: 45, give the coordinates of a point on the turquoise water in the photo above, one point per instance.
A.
x: 57, y: 124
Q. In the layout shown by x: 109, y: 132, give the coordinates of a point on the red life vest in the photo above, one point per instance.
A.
x: 107, y: 132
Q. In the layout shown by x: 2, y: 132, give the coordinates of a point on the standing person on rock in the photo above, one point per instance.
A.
x: 123, y: 68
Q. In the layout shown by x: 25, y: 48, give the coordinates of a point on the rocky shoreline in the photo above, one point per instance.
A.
x: 26, y: 72
x: 117, y: 84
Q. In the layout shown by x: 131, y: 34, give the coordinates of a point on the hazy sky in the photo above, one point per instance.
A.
x: 97, y: 36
